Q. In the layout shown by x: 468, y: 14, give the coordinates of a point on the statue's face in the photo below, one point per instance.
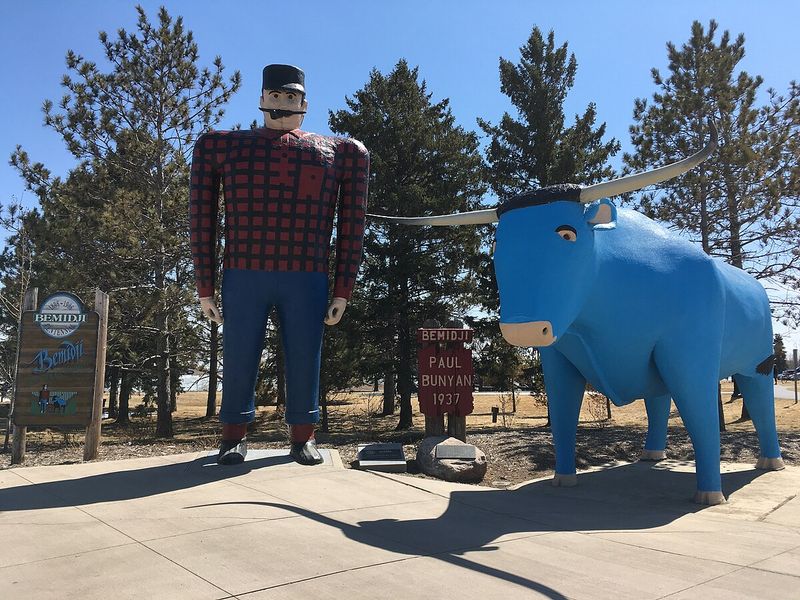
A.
x: 283, y: 100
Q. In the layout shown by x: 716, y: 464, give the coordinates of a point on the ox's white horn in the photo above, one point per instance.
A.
x: 637, y: 181
x: 475, y: 217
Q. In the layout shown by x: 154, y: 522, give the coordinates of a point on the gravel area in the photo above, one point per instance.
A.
x: 514, y: 455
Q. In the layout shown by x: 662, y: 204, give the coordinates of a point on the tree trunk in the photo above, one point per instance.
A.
x: 174, y: 383
x: 323, y: 402
x: 124, y: 398
x: 113, y: 393
x: 164, y: 420
x: 513, y: 398
x: 404, y: 374
x: 211, y: 403
x: 704, y: 236
x: 404, y: 386
x: 704, y: 225
x: 737, y: 258
x: 163, y: 395
x: 280, y: 376
x: 389, y: 391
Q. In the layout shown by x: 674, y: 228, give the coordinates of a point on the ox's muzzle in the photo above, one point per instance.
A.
x: 532, y: 333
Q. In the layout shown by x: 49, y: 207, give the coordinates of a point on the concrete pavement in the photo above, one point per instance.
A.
x: 181, y: 527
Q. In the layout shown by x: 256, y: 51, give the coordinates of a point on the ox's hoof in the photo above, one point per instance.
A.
x: 653, y: 455
x: 709, y: 498
x: 770, y: 464
x: 560, y: 480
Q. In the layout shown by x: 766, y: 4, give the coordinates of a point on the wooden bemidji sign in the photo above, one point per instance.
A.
x: 58, y: 353
x: 60, y: 367
x: 445, y: 372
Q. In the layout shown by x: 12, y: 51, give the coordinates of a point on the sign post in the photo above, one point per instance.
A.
x: 445, y: 380
x: 20, y: 431
x: 60, y: 368
x: 795, y: 375
x: 92, y: 443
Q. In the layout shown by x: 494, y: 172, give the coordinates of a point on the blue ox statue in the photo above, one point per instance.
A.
x: 611, y: 298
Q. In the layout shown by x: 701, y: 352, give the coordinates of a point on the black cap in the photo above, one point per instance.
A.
x: 283, y: 77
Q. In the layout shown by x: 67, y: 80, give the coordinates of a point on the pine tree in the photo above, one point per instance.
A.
x: 421, y: 163
x: 133, y: 129
x: 535, y: 149
x: 742, y: 204
x: 16, y: 266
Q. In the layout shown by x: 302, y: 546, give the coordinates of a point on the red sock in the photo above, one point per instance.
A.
x: 234, y: 432
x: 301, y: 433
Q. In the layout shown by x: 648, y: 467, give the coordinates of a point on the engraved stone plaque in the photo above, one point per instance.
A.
x: 388, y: 457
x: 456, y: 451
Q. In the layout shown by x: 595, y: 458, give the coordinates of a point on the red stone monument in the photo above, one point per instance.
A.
x: 445, y: 379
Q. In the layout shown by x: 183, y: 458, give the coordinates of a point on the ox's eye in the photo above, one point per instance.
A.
x: 567, y: 232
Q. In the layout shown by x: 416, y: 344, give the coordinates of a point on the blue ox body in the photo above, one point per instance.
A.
x: 613, y: 299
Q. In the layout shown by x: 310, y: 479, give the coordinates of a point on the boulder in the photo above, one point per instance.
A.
x: 450, y: 469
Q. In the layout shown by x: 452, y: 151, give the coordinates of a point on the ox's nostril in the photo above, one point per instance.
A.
x: 544, y: 331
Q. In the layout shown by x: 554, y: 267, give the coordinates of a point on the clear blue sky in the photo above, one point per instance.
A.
x: 455, y: 43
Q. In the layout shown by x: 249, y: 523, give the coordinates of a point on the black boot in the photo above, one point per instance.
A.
x: 306, y: 453
x: 232, y: 452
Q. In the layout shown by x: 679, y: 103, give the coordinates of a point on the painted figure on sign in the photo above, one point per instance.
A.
x: 282, y: 188
x: 60, y: 404
x: 613, y: 299
x: 44, y: 399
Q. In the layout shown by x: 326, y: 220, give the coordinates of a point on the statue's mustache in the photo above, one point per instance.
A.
x: 277, y: 113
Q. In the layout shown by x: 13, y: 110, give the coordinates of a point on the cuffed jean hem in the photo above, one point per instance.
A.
x: 237, y: 418
x: 302, y: 418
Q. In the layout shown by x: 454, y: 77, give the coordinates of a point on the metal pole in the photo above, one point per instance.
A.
x: 795, y: 375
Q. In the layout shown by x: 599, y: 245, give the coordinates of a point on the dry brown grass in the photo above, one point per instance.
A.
x: 356, y: 410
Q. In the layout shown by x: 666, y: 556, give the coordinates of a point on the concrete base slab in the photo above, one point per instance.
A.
x: 272, y: 458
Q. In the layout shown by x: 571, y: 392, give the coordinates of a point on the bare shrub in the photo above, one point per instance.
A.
x: 506, y: 404
x: 362, y: 416
x: 595, y: 404
x: 539, y: 399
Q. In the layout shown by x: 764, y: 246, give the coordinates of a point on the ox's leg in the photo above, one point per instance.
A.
x: 657, y: 417
x: 692, y: 380
x: 565, y: 387
x: 759, y: 397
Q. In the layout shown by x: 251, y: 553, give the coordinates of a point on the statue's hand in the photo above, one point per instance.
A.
x: 335, y: 311
x: 210, y: 310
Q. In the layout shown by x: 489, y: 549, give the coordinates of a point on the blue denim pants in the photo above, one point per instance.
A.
x: 248, y: 297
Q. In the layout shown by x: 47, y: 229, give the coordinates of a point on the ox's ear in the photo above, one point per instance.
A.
x: 601, y: 214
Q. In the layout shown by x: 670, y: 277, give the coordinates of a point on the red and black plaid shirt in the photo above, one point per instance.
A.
x: 281, y: 190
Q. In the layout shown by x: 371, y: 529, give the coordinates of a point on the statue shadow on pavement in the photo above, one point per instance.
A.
x: 128, y: 484
x: 617, y: 498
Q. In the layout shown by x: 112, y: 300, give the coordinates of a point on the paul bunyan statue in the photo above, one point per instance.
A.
x: 282, y: 189
x: 613, y: 299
